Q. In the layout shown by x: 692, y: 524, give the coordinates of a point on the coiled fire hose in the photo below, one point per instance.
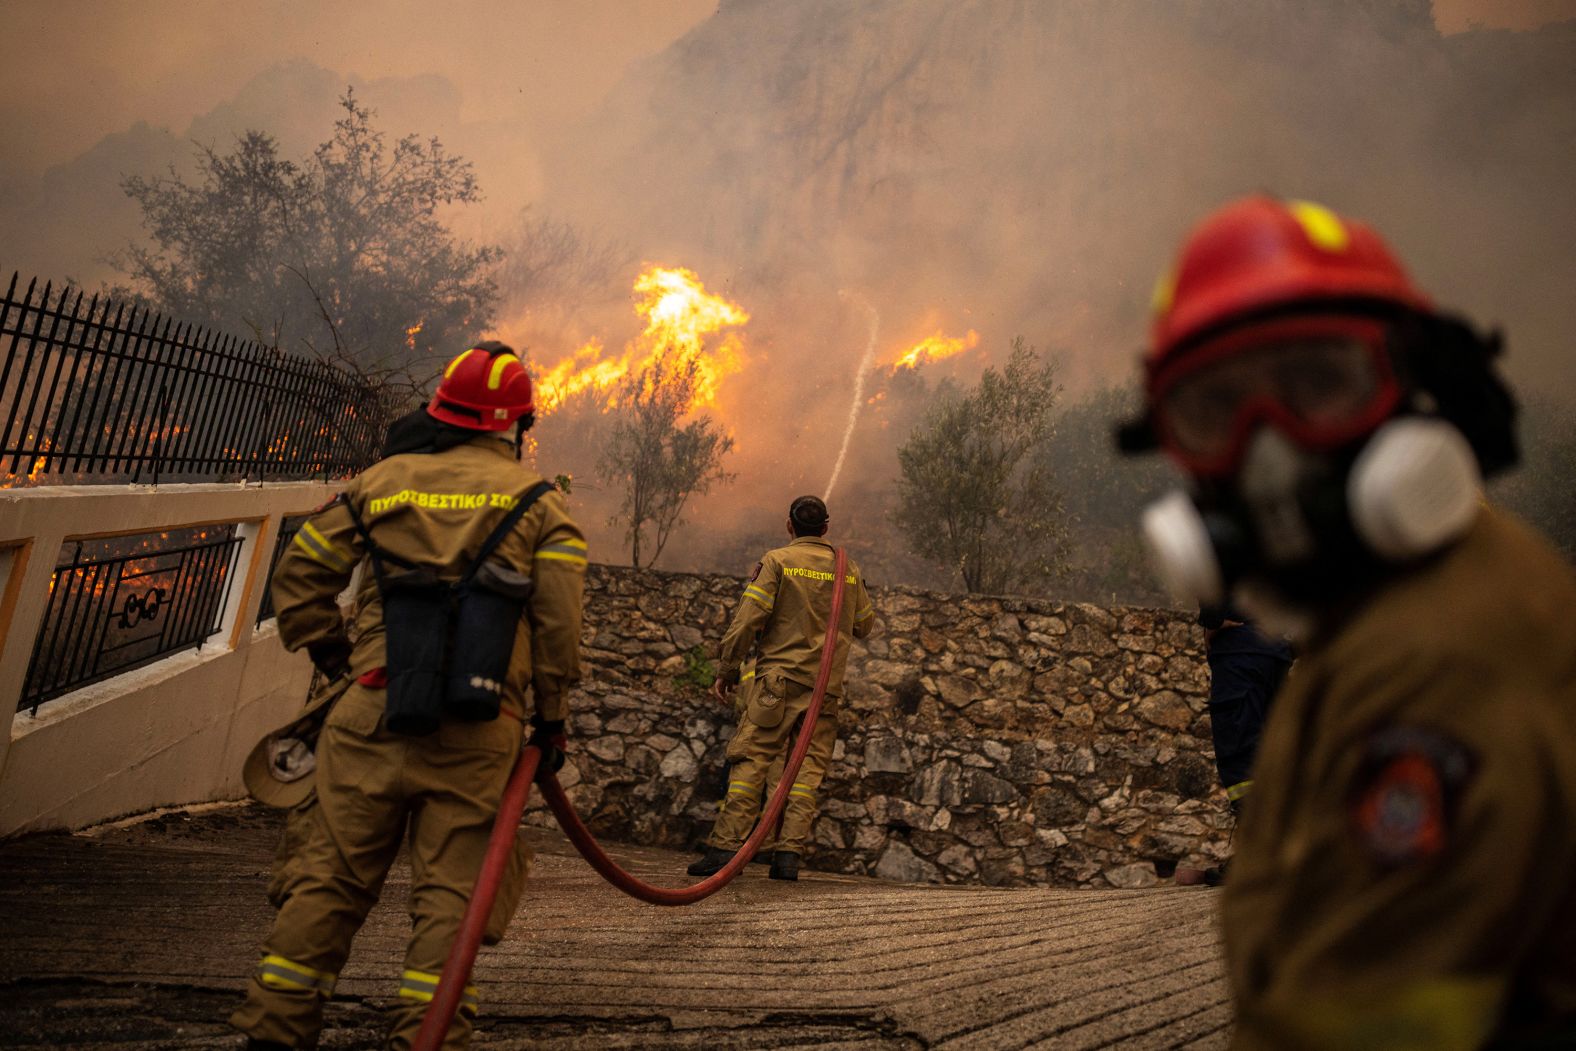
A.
x: 462, y: 955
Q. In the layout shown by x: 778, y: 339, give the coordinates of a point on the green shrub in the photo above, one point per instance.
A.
x: 698, y: 671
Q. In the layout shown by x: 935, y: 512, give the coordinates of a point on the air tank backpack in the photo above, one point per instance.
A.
x: 449, y: 642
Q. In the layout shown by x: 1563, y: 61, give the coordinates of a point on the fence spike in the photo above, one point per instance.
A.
x: 89, y: 368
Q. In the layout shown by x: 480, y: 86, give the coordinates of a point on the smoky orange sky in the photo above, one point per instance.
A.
x: 73, y: 72
x: 964, y: 166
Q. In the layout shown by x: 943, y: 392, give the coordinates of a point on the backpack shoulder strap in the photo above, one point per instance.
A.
x: 506, y: 525
x: 374, y: 552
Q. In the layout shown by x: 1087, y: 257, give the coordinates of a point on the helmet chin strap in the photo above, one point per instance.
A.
x: 1296, y: 531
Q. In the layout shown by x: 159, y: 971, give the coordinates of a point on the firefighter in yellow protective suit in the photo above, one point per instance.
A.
x: 783, y: 613
x: 473, y: 593
x: 1405, y: 876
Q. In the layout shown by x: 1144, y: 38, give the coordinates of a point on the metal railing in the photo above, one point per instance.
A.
x: 128, y: 603
x: 99, y: 391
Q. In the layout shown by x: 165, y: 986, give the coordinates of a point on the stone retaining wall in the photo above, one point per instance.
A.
x: 982, y: 739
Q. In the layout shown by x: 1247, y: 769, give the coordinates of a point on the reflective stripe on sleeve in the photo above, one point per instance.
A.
x: 742, y: 788
x: 308, y: 539
x: 864, y: 614
x: 1238, y: 790
x: 571, y: 551
x: 422, y: 985
x: 277, y: 972
x: 747, y: 676
x: 760, y: 596
x: 802, y: 792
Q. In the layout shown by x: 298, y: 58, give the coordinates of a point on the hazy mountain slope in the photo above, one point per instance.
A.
x: 1034, y: 161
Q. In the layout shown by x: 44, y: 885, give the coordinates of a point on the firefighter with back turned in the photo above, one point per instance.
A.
x: 472, y: 593
x: 783, y: 613
x: 1406, y: 874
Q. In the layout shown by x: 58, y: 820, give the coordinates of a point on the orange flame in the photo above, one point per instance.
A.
x: 935, y: 348
x: 38, y: 465
x: 681, y: 318
x: 412, y: 332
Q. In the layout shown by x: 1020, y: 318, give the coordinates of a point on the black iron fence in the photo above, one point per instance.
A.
x: 121, y: 603
x: 99, y: 391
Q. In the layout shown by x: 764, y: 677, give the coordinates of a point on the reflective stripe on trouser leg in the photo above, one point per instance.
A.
x: 739, y: 808
x: 800, y: 812
x: 798, y: 816
x: 421, y: 985
x: 741, y: 793
x: 277, y: 972
x: 459, y: 788
x: 340, y: 853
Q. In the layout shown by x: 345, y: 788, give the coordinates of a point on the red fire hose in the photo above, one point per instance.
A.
x: 462, y: 955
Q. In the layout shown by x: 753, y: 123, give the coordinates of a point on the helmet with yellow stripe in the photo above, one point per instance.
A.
x: 1260, y: 254
x: 1332, y: 420
x: 484, y: 389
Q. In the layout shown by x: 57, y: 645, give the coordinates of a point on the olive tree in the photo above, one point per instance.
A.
x: 656, y: 458
x: 342, y: 253
x: 974, y: 494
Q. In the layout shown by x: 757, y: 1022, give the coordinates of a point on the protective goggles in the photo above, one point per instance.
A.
x: 1322, y: 381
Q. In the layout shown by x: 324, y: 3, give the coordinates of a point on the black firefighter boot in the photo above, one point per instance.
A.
x: 785, y: 865
x: 711, y: 862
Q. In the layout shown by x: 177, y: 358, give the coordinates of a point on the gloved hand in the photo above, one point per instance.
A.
x: 549, y: 736
x: 331, y: 656
x: 724, y: 685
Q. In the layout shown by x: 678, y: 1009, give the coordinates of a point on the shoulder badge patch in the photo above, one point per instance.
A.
x: 1406, y: 791
x: 757, y: 572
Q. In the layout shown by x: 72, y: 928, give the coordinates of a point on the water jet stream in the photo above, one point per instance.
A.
x: 859, y: 388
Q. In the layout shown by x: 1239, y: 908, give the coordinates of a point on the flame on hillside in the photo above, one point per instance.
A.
x: 682, y: 319
x: 935, y: 348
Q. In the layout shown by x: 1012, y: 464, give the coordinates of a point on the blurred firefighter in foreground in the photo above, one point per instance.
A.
x: 473, y: 593
x: 1406, y: 874
x: 783, y: 614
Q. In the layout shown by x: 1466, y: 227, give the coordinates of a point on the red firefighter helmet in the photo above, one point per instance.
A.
x: 1269, y: 315
x: 484, y: 389
x: 1259, y: 254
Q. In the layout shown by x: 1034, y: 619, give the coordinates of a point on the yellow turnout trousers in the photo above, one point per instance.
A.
x: 375, y: 789
x: 754, y: 776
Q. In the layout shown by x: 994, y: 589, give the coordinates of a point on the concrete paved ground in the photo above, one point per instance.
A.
x: 141, y: 936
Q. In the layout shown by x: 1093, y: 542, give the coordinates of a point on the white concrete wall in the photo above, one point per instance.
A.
x: 174, y: 731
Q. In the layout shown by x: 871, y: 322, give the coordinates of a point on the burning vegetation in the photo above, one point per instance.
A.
x: 936, y: 347
x: 771, y: 384
x: 680, y: 318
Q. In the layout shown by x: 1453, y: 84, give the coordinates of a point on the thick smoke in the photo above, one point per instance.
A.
x: 1016, y: 167
x: 1028, y: 168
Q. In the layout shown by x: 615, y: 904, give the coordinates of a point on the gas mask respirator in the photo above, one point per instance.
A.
x: 1307, y: 525
x: 1285, y: 511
